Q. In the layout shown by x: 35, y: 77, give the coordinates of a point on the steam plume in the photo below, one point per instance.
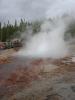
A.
x: 47, y: 43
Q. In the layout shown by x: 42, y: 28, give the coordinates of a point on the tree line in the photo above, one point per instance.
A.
x: 9, y: 31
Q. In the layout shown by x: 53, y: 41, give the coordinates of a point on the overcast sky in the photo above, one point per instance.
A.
x: 34, y: 9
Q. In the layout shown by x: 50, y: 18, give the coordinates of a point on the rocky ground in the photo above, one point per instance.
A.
x: 37, y: 79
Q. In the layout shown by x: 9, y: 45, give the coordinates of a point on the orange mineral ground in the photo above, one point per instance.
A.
x: 37, y: 79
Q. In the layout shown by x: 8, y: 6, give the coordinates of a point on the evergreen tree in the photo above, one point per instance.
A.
x: 36, y: 27
x: 9, y: 31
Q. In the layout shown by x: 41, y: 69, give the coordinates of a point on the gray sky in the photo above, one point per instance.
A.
x: 34, y: 9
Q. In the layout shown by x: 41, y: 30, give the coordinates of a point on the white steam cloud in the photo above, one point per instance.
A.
x: 47, y: 43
